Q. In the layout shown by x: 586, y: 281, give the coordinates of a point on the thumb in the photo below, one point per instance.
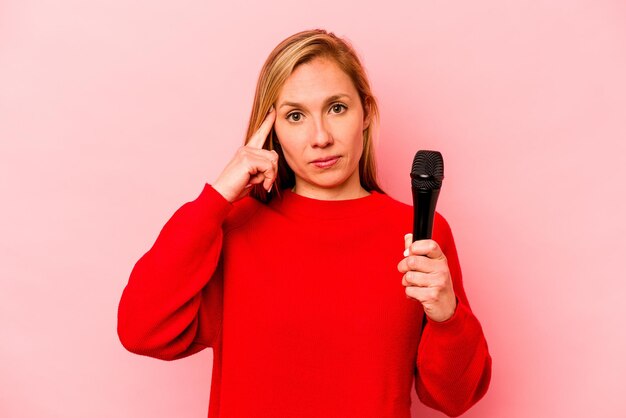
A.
x: 408, y: 240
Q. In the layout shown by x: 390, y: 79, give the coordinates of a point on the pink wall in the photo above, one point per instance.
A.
x: 114, y: 113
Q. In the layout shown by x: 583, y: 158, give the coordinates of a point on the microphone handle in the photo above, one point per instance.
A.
x: 424, y: 202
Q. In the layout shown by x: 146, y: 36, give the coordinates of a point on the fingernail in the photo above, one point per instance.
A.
x: 270, y: 189
x: 406, y: 252
x: 271, y: 109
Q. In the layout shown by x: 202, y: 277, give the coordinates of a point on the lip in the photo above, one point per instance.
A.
x: 326, y: 162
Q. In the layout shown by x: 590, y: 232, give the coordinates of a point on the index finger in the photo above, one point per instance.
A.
x: 426, y: 247
x: 258, y: 138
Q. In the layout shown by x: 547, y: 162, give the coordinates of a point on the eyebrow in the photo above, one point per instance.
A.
x: 328, y: 100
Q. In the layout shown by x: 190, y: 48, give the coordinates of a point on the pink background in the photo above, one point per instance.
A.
x: 114, y: 113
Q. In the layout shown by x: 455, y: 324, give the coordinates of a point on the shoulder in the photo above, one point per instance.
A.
x: 242, y: 211
x: 442, y: 233
x: 398, y: 211
x: 386, y: 203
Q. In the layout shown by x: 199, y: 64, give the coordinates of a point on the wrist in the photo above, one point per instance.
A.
x: 445, y: 314
x: 218, y: 187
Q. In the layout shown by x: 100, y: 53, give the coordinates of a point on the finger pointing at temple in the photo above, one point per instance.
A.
x: 260, y: 136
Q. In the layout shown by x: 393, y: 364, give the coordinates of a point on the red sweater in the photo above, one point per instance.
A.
x: 304, y: 308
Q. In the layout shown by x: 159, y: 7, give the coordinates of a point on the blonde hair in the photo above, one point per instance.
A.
x: 296, y: 50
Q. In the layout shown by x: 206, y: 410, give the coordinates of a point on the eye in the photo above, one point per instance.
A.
x: 294, y: 117
x: 338, y: 108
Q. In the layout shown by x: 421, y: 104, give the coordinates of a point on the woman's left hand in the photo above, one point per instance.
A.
x: 427, y: 278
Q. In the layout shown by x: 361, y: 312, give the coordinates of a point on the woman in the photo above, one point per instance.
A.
x: 290, y: 265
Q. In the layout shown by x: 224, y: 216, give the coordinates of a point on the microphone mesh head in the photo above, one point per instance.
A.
x: 427, y: 170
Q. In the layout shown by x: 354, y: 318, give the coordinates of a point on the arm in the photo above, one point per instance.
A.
x: 172, y: 304
x: 453, y: 361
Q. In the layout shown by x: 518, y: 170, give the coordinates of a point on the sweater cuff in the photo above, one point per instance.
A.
x: 212, y: 205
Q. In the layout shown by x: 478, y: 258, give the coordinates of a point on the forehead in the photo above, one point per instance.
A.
x: 316, y: 80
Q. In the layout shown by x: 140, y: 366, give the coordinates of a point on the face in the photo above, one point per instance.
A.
x: 319, y: 124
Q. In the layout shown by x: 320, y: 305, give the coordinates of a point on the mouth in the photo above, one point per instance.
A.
x: 326, y: 162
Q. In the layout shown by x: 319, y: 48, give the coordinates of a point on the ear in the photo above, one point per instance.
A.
x: 366, y: 115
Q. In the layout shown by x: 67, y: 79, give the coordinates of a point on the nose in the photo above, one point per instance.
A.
x: 322, y: 136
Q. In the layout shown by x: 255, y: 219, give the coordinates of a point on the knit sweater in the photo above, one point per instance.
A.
x: 304, y: 307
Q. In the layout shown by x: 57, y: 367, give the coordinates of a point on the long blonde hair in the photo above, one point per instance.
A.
x: 282, y: 61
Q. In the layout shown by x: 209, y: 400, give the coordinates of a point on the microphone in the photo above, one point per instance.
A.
x: 426, y: 179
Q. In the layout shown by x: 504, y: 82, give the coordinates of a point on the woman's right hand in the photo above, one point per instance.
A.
x: 251, y: 165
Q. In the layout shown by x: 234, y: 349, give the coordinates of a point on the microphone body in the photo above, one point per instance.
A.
x: 427, y: 176
x: 424, y: 203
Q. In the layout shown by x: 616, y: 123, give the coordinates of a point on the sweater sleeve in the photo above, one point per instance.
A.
x: 453, y: 362
x: 172, y: 305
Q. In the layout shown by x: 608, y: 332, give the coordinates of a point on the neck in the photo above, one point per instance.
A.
x: 351, y: 189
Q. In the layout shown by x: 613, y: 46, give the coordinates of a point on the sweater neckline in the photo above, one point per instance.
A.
x: 292, y: 203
